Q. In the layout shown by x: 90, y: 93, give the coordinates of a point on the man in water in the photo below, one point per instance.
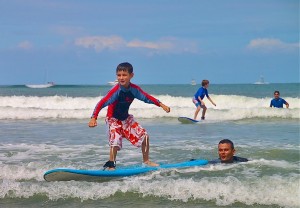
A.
x: 278, y: 102
x: 226, y: 153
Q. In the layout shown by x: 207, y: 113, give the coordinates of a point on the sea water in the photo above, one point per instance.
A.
x: 42, y: 129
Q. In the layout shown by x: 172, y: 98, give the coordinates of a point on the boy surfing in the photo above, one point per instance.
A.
x: 120, y: 124
x: 198, y: 99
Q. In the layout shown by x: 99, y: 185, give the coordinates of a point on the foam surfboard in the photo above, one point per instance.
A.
x: 186, y: 120
x: 65, y: 174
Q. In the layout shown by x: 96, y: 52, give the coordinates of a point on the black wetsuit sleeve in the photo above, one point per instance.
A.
x: 240, y: 159
x: 235, y: 160
x: 216, y: 161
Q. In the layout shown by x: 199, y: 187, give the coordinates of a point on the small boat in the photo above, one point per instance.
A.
x: 45, y: 85
x: 113, y: 82
x: 193, y: 82
x: 48, y: 84
x: 261, y: 81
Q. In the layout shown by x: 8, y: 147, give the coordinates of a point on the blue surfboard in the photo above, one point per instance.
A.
x: 186, y: 120
x: 65, y: 174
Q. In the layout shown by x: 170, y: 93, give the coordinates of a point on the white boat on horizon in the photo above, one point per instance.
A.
x: 261, y: 81
x: 193, y: 82
x: 48, y: 84
x: 113, y: 82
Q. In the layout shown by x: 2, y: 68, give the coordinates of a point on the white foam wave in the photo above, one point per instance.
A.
x: 23, y: 165
x: 227, y: 190
x: 61, y: 107
x: 275, y: 163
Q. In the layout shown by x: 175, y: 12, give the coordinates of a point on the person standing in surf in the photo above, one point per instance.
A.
x: 198, y: 99
x: 278, y: 102
x: 121, y: 124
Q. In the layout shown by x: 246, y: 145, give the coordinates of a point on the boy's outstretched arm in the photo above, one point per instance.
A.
x: 166, y: 108
x: 93, y: 122
x: 211, y: 101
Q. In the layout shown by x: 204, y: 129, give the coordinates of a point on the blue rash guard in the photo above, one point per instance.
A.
x: 201, y: 92
x: 119, y: 99
x: 235, y: 160
x: 277, y: 103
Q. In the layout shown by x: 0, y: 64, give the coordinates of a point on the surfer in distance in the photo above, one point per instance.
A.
x: 278, y: 102
x: 198, y: 99
x: 121, y: 124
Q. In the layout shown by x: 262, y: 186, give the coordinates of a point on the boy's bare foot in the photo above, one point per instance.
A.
x: 150, y: 163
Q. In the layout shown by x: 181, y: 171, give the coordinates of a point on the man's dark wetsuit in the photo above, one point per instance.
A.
x: 235, y: 160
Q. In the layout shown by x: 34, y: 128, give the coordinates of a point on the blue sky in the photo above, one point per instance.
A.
x: 166, y: 41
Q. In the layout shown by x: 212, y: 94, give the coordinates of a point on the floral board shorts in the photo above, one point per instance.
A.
x: 129, y: 129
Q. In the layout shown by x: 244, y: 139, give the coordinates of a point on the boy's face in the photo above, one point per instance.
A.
x: 276, y: 95
x: 124, y: 78
x: 226, y: 152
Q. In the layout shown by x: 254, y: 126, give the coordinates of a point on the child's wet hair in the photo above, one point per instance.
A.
x: 125, y: 67
x: 204, y: 82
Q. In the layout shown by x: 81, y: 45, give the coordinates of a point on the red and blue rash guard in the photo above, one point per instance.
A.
x: 119, y: 99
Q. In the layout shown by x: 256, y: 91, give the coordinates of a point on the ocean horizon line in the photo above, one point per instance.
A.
x: 69, y: 84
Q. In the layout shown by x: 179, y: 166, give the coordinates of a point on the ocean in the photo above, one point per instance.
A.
x: 43, y: 129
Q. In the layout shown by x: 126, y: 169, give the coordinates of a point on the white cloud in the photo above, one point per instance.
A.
x: 26, y: 45
x: 150, y: 45
x: 271, y: 44
x: 164, y: 45
x: 100, y: 43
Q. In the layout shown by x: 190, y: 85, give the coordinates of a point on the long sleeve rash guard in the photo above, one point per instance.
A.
x: 119, y: 99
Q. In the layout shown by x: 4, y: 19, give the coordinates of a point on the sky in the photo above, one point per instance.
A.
x: 166, y: 41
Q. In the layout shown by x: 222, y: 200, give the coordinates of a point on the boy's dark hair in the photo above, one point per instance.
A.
x: 277, y: 92
x: 125, y: 67
x: 227, y: 141
x: 205, y: 82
